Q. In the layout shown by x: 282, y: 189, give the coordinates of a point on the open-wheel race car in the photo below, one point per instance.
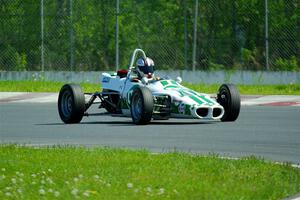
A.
x: 138, y: 93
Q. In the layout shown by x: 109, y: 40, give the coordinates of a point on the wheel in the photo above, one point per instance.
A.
x: 229, y: 98
x: 113, y: 98
x: 71, y: 103
x: 141, y: 105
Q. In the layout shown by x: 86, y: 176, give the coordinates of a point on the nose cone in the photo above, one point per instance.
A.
x: 202, y: 112
x: 206, y: 112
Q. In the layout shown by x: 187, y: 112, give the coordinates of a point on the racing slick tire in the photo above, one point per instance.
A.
x: 229, y: 97
x: 141, y: 105
x: 71, y: 103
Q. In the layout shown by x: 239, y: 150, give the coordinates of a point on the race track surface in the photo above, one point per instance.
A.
x: 264, y: 131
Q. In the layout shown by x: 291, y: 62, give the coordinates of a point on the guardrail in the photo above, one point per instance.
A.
x: 207, y: 77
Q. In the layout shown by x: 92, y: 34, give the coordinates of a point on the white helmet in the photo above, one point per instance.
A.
x: 145, y: 65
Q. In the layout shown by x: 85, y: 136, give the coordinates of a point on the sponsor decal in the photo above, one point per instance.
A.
x: 105, y: 79
x: 129, y: 95
x: 181, y: 108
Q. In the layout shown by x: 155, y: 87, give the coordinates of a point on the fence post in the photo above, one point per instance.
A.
x: 267, y: 34
x: 71, y: 37
x: 42, y: 36
x: 117, y: 33
x: 185, y: 36
x: 195, y: 36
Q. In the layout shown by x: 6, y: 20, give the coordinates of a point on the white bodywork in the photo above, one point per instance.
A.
x: 185, y: 103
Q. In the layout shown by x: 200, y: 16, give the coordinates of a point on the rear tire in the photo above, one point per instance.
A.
x: 71, y: 103
x: 141, y: 106
x: 229, y: 98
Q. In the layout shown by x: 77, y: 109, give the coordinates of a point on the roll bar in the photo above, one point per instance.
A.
x: 133, y: 57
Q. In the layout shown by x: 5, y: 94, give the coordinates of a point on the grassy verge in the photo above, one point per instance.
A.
x: 40, y: 86
x: 102, y: 173
x: 33, y: 86
x: 44, y: 86
x: 291, y: 89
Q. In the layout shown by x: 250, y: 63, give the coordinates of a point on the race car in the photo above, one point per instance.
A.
x: 138, y: 93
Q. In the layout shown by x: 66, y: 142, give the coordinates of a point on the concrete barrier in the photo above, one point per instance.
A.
x: 207, y: 77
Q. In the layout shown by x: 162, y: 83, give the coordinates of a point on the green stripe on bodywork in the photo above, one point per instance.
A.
x: 129, y: 94
x: 174, y: 82
x: 170, y: 86
x: 194, y: 98
x: 202, y: 97
x: 205, y: 99
x: 199, y: 99
x: 164, y: 83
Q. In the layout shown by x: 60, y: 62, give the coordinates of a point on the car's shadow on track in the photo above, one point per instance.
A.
x: 129, y: 123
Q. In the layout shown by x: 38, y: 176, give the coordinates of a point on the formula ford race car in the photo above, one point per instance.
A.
x: 139, y: 94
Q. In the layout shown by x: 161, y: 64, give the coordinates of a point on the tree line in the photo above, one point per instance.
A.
x: 80, y: 34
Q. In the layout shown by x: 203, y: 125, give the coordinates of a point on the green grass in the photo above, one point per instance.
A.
x: 290, y: 89
x: 40, y: 86
x: 45, y: 86
x: 105, y: 173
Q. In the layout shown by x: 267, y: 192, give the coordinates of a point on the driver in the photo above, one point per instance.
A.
x: 145, y: 68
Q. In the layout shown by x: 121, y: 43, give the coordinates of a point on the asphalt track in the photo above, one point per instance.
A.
x: 269, y: 132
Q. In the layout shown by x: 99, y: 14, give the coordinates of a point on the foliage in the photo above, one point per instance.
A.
x: 214, y: 66
x: 81, y: 36
x: 250, y: 58
x: 20, y: 62
x: 13, y: 60
x: 286, y: 64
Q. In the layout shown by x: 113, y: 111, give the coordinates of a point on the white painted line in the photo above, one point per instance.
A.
x: 272, y: 99
x: 10, y: 94
x: 46, y: 99
x: 297, y: 198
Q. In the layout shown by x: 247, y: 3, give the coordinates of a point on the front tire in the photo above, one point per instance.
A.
x: 141, y: 106
x: 229, y: 98
x: 71, y: 103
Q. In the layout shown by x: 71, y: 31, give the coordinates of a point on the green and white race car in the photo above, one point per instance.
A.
x: 139, y: 94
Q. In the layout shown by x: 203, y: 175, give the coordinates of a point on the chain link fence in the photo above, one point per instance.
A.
x: 80, y: 35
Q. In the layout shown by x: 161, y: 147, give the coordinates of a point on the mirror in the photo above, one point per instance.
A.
x: 178, y: 79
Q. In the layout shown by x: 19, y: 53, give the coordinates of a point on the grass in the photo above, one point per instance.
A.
x: 40, y: 86
x: 45, y: 86
x: 105, y: 173
x: 290, y: 89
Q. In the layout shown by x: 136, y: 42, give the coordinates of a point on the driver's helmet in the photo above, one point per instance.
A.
x: 145, y: 65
